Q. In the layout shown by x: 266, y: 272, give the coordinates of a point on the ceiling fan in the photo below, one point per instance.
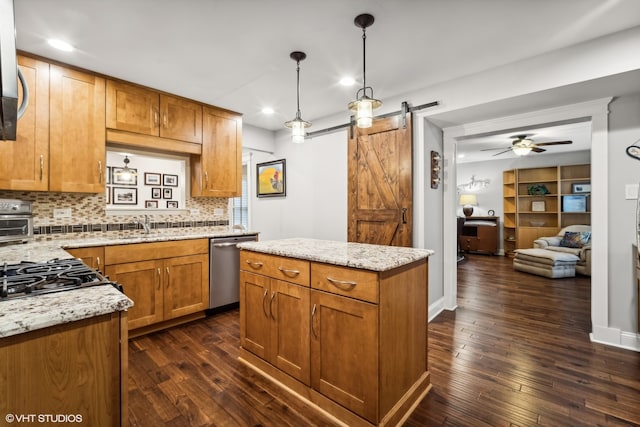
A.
x: 523, y: 145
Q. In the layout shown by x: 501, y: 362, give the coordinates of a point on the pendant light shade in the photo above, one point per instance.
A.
x: 297, y: 125
x: 365, y: 103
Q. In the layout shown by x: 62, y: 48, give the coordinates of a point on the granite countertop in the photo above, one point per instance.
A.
x: 348, y: 254
x: 21, y: 315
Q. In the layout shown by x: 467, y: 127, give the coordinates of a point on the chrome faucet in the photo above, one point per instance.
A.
x: 146, y: 225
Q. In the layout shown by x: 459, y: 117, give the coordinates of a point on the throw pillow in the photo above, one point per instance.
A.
x: 575, y: 239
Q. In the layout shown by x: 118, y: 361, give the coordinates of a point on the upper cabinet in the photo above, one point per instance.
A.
x: 76, y: 131
x: 217, y: 172
x: 132, y: 108
x: 24, y: 163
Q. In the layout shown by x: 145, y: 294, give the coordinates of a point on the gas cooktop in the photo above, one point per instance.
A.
x: 35, y: 278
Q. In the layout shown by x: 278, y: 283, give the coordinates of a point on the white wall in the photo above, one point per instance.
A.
x: 491, y: 196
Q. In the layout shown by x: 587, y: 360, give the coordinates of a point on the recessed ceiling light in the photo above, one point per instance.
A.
x: 347, y: 81
x: 460, y: 156
x: 61, y: 45
x: 267, y: 110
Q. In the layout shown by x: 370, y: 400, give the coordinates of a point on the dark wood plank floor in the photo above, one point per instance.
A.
x: 516, y: 352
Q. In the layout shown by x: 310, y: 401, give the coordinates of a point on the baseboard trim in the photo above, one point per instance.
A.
x: 436, y: 308
x: 616, y: 338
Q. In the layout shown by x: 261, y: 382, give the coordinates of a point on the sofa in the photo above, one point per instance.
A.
x: 579, y: 246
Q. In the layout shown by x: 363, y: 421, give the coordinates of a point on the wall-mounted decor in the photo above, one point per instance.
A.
x: 167, y: 193
x: 107, y: 194
x: 151, y: 178
x: 271, y: 179
x: 578, y: 188
x: 435, y: 169
x: 633, y: 150
x: 473, y: 185
x: 151, y: 204
x: 156, y: 193
x: 172, y: 204
x: 169, y: 180
x: 125, y: 196
x: 120, y: 176
x: 537, y: 207
x: 107, y: 178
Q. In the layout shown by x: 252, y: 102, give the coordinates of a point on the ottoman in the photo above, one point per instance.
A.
x: 545, y: 263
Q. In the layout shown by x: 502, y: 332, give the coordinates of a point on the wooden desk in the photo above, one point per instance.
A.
x: 480, y: 234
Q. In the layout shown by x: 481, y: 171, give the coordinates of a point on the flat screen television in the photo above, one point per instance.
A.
x: 574, y: 203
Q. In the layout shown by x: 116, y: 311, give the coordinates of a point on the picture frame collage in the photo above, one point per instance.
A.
x: 159, y: 189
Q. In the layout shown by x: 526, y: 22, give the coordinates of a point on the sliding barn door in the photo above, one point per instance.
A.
x: 380, y: 198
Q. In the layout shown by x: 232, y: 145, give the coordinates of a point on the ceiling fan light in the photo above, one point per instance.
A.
x: 521, y: 150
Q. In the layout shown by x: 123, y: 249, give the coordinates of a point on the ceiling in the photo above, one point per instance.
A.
x: 235, y: 53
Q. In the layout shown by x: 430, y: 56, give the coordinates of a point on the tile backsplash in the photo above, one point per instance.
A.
x: 89, y: 217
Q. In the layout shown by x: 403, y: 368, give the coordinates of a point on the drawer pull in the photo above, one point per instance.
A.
x: 264, y: 298
x: 254, y: 264
x: 290, y: 273
x: 273, y: 296
x: 342, y: 284
x: 313, y: 324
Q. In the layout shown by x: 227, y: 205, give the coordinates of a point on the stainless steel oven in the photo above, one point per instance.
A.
x: 16, y: 220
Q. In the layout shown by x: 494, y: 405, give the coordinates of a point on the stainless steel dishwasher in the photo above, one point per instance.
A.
x: 224, y: 269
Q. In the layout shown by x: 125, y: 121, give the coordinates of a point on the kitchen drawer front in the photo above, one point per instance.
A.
x: 350, y: 282
x: 281, y: 268
x: 134, y: 252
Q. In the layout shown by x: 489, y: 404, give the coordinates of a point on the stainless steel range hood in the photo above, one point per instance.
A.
x: 9, y: 73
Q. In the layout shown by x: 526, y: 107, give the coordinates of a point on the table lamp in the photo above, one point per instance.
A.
x: 467, y: 201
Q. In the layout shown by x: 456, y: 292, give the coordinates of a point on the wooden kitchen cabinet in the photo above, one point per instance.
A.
x: 167, y: 281
x: 24, y: 163
x: 76, y: 131
x: 73, y: 369
x: 363, y: 331
x: 217, y: 172
x: 91, y: 256
x: 275, y: 318
x: 136, y: 109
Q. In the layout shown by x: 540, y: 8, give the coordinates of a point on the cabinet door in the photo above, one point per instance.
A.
x: 77, y: 131
x: 24, y: 163
x: 218, y: 171
x: 180, y: 119
x: 290, y: 346
x: 487, y: 239
x: 93, y: 257
x: 186, y: 281
x: 254, y: 316
x: 344, y: 352
x: 133, y: 109
x: 142, y: 283
x: 526, y: 235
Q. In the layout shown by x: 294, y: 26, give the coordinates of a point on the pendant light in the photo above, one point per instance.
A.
x: 297, y: 125
x: 364, y: 105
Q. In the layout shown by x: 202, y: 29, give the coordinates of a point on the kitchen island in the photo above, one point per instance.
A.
x: 340, y: 325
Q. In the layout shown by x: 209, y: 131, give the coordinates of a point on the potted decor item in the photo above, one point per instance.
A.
x: 537, y: 190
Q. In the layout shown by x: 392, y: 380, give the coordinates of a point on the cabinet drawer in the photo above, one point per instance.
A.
x: 350, y: 282
x: 282, y: 268
x: 119, y: 254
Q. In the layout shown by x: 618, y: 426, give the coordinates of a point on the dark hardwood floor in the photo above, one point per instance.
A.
x: 516, y: 352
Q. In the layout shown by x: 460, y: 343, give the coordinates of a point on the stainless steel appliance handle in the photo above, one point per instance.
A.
x: 224, y: 245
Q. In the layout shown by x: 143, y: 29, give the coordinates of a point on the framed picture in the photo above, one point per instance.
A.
x: 119, y: 177
x: 107, y: 194
x: 169, y: 180
x: 172, y: 204
x: 107, y: 178
x: 584, y: 187
x: 156, y: 193
x: 151, y: 204
x: 167, y: 193
x: 151, y: 178
x: 537, y: 207
x: 271, y: 179
x: 125, y: 196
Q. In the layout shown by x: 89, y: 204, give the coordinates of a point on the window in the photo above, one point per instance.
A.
x: 240, y: 205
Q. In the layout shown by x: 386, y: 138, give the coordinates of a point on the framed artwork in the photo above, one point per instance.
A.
x: 151, y: 178
x: 119, y: 177
x: 167, y: 193
x: 584, y: 187
x: 172, y: 204
x: 151, y: 204
x: 107, y: 178
x: 156, y: 193
x: 537, y: 207
x: 169, y: 180
x: 271, y: 179
x: 107, y: 194
x: 125, y: 196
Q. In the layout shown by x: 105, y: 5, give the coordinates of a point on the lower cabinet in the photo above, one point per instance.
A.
x: 92, y: 256
x: 166, y: 280
x: 352, y: 342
